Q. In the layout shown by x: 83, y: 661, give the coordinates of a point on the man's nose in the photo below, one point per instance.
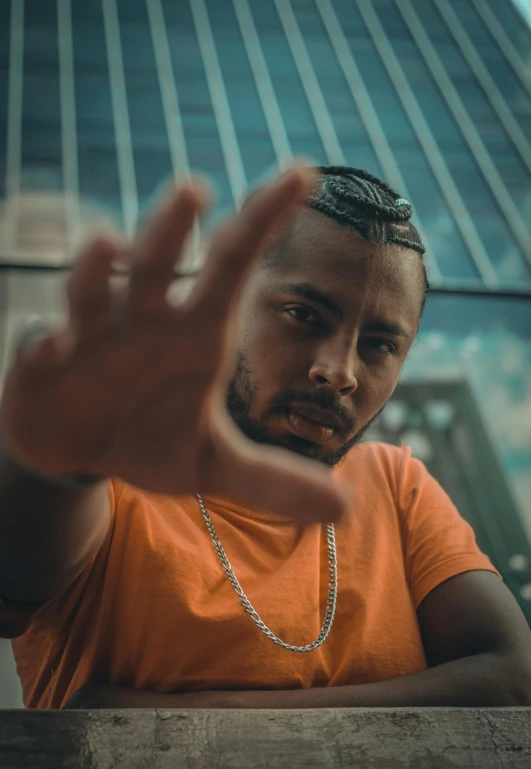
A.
x: 335, y: 368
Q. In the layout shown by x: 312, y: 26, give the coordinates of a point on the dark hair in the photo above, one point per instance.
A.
x: 357, y: 199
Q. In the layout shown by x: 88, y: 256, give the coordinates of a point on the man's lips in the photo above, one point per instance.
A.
x: 312, y: 424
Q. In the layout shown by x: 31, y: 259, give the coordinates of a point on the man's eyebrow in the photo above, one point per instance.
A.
x: 307, y: 291
x: 387, y: 327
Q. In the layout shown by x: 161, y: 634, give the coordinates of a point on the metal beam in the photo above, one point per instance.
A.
x: 369, y: 116
x: 520, y: 67
x: 451, y: 286
x: 518, y: 227
x: 10, y: 239
x: 262, y: 79
x: 486, y: 81
x: 170, y: 105
x: 311, y: 86
x: 68, y: 123
x: 220, y: 102
x: 120, y: 109
x: 432, y: 153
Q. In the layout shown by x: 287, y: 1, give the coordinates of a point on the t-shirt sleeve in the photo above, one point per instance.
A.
x: 16, y: 617
x: 438, y: 542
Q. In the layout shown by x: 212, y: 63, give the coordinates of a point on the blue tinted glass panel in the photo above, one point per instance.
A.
x: 471, y: 21
x: 146, y: 113
x: 41, y: 110
x: 4, y: 81
x: 392, y: 21
x: 147, y: 120
x: 362, y: 155
x: 330, y: 76
x: 445, y: 239
x: 87, y: 11
x: 40, y: 12
x: 153, y: 172
x: 41, y: 117
x: 205, y: 155
x: 42, y: 164
x: 95, y: 121
x: 5, y: 19
x: 132, y: 11
x: 258, y: 159
x: 430, y: 205
x: 518, y: 99
x: 477, y: 196
x: 41, y: 54
x: 515, y: 27
x: 293, y: 104
x: 474, y: 99
x: 137, y: 49
x: 98, y: 176
x: 90, y: 51
x: 492, y: 228
x: 198, y: 119
x: 246, y: 109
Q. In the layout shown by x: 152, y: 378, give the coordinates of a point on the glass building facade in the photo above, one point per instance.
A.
x: 103, y: 102
x: 106, y: 101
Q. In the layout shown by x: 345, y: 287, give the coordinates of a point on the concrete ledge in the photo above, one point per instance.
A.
x: 422, y: 738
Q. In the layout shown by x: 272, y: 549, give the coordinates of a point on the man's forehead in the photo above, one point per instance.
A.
x: 318, y: 245
x: 342, y: 264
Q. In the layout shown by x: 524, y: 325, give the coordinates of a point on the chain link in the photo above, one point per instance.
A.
x: 253, y: 614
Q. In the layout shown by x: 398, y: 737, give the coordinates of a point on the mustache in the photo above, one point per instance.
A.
x: 318, y: 398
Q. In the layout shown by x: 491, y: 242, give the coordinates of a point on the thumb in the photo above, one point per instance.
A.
x: 277, y: 480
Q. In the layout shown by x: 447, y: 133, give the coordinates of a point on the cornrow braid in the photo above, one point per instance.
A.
x: 357, y: 198
x: 360, y: 200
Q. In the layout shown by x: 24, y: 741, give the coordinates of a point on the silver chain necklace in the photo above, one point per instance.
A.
x: 253, y: 614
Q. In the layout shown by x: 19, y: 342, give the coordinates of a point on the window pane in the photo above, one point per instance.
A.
x: 477, y: 196
x: 514, y: 26
x: 498, y: 66
x: 5, y: 9
x: 247, y: 114
x: 99, y: 178
x: 95, y: 122
x: 293, y: 104
x: 199, y: 122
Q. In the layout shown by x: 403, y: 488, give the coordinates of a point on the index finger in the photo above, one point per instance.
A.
x: 238, y: 242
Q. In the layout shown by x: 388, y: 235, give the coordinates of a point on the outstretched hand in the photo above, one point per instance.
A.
x: 135, y: 388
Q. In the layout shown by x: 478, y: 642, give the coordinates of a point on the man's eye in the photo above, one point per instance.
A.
x: 303, y: 315
x: 382, y: 345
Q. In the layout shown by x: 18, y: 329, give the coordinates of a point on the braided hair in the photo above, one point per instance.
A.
x: 357, y: 199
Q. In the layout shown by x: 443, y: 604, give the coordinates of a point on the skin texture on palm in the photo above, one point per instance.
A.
x: 134, y: 387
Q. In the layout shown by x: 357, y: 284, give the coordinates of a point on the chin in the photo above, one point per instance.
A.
x: 329, y: 457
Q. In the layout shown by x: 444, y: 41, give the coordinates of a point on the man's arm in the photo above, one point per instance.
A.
x: 100, y: 397
x: 48, y: 531
x: 477, y: 643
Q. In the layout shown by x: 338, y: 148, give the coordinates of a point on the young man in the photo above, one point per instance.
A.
x: 213, y: 569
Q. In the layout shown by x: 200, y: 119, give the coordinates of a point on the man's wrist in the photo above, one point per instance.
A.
x: 75, y: 480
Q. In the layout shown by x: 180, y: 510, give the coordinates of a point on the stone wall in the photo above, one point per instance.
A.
x: 421, y: 738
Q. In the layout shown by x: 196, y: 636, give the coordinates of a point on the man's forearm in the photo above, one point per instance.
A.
x: 485, y: 680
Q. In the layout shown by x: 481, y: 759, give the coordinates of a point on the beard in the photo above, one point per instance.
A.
x: 241, y: 396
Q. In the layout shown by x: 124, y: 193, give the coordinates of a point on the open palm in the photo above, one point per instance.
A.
x: 134, y: 387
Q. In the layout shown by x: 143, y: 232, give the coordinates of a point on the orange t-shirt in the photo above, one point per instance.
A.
x: 155, y: 610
